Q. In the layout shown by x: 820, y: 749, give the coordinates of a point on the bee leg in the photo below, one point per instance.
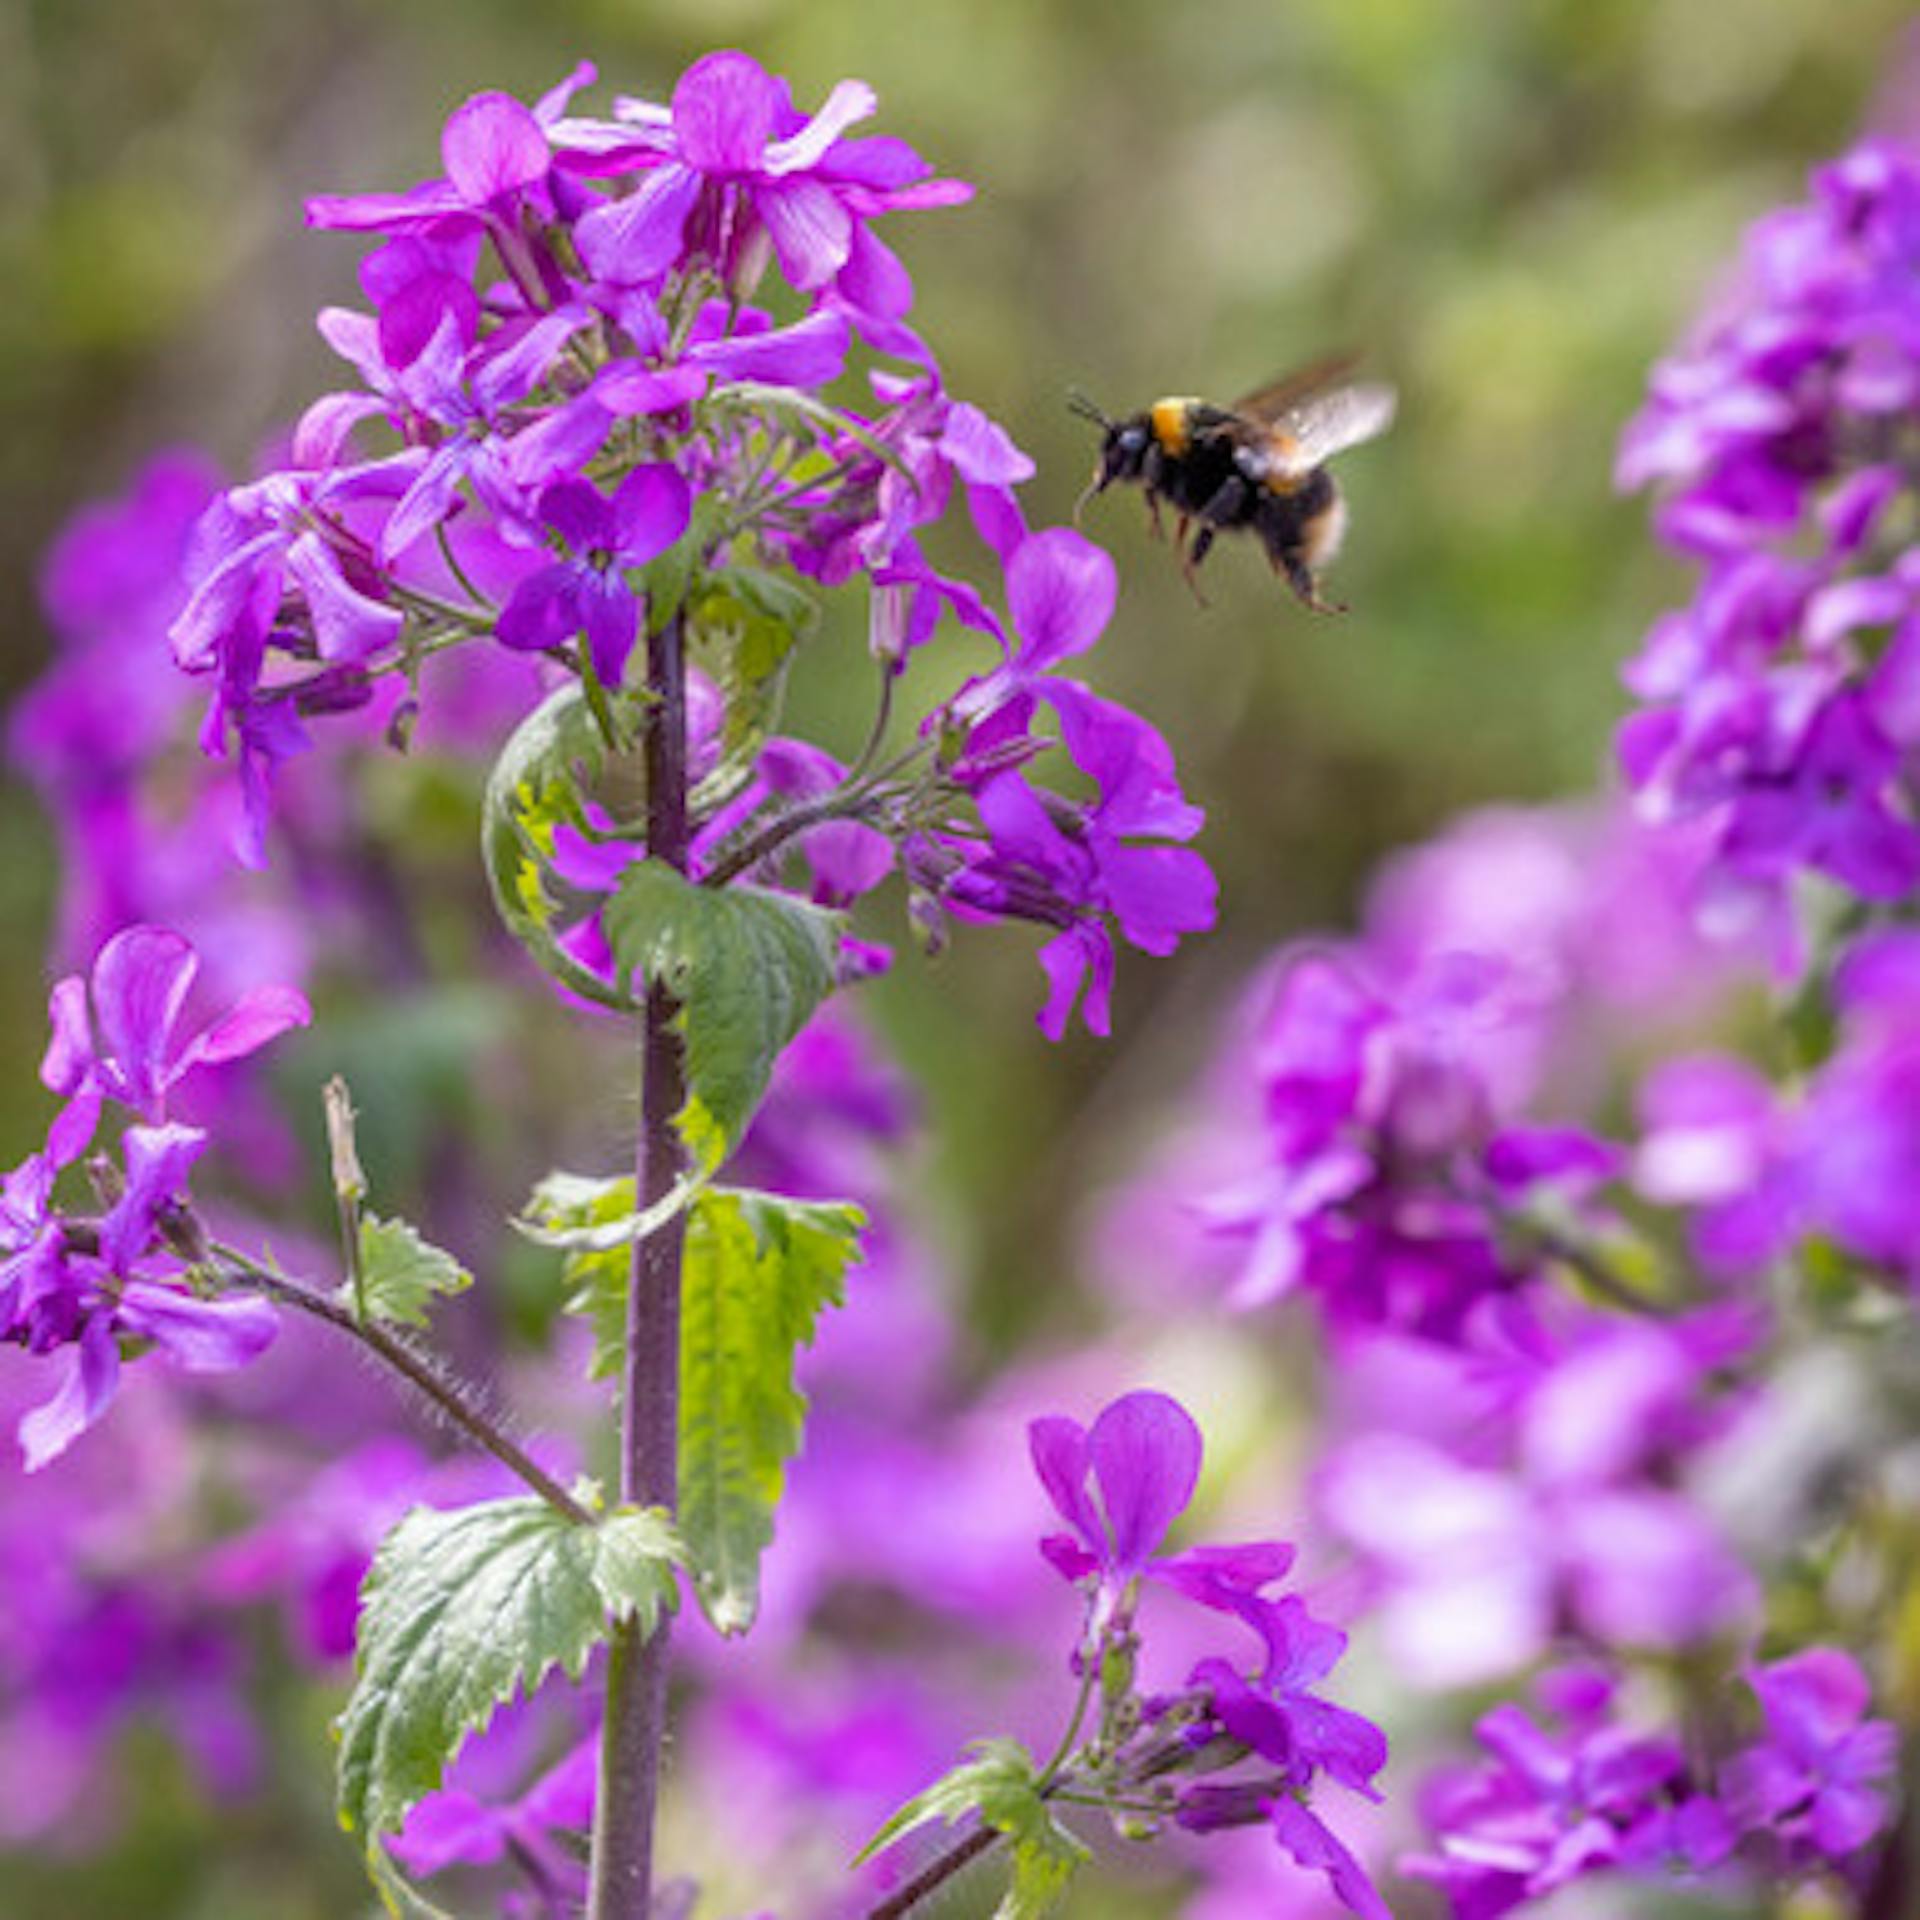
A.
x: 1305, y: 587
x: 1153, y: 517
x: 1190, y: 562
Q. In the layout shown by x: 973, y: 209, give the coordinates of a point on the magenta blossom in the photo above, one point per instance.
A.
x: 586, y: 590
x: 1120, y: 1485
x: 1823, y: 1778
x: 115, y: 1035
x: 732, y: 168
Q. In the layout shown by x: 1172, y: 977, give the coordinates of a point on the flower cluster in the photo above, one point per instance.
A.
x: 590, y: 427
x: 89, y: 1288
x: 1780, y: 703
x: 1599, y: 1796
x: 1119, y: 1485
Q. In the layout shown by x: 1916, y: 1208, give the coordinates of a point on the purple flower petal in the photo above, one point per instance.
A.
x: 89, y: 1374
x: 611, y: 616
x: 808, y: 354
x: 1061, y: 590
x: 810, y: 227
x: 650, y: 511
x: 1145, y: 1452
x: 158, y: 1161
x: 725, y: 110
x: 492, y: 148
x: 847, y: 105
x: 204, y: 1336
x: 140, y: 983
x: 544, y: 611
x: 1313, y: 1844
x: 1059, y: 1450
x: 635, y: 241
x: 261, y: 1014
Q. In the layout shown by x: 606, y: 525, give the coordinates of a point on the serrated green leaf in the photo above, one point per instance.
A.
x: 400, y: 1274
x: 534, y: 787
x: 748, y: 968
x: 759, y: 1269
x: 464, y: 1609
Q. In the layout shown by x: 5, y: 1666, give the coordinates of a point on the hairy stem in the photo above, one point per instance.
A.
x: 634, y: 1730
x: 426, y: 1376
x: 936, y: 1874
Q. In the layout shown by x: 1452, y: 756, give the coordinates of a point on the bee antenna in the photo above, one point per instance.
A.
x: 1077, y: 402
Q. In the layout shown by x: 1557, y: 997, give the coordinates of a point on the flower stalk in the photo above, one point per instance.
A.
x: 634, y: 1730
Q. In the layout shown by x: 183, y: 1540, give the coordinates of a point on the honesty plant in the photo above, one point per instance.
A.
x: 557, y: 544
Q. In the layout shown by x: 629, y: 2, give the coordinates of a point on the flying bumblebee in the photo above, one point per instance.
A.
x: 1259, y: 465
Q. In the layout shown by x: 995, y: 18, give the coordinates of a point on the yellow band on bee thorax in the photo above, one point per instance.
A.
x: 1170, y: 420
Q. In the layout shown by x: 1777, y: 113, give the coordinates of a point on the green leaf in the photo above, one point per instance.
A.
x: 568, y: 1210
x: 1002, y: 1777
x: 748, y: 968
x: 400, y: 1274
x: 464, y: 1609
x: 747, y: 624
x: 759, y: 1269
x: 1046, y: 1856
x: 1002, y: 1785
x: 536, y: 785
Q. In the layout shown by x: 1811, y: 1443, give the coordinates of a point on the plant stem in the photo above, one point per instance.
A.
x: 456, y: 1402
x: 634, y: 1729
x: 936, y: 1874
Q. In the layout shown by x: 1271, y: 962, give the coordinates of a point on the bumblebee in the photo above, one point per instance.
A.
x: 1259, y: 465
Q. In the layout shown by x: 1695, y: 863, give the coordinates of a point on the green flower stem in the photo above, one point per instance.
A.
x: 634, y: 1729
x: 428, y: 1376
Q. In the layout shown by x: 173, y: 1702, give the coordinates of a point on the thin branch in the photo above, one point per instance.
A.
x: 417, y: 1371
x: 935, y: 1875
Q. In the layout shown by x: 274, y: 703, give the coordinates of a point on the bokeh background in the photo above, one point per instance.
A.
x: 1509, y: 208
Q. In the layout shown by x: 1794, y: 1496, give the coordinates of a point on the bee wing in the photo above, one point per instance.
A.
x: 1310, y: 433
x: 1265, y: 405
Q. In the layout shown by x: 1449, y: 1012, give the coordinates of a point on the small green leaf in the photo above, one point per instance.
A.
x: 747, y: 625
x: 748, y: 968
x: 759, y: 1270
x: 400, y: 1275
x: 569, y: 1210
x: 1002, y: 1777
x: 536, y: 785
x: 464, y: 1609
x: 1046, y: 1856
x: 1001, y: 1785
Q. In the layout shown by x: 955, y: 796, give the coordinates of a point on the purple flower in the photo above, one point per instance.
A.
x: 1776, y: 712
x: 1119, y: 1486
x: 731, y: 168
x: 1553, y: 1809
x: 586, y: 591
x: 1823, y: 1778
x: 115, y: 1035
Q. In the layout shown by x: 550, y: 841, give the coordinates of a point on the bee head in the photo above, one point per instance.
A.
x: 1123, y: 447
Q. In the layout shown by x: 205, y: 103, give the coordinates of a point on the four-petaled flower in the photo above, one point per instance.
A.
x: 587, y: 591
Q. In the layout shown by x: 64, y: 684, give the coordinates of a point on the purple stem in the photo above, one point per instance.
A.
x: 942, y: 1869
x: 635, y: 1727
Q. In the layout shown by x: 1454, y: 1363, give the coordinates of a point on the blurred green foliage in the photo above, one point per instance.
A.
x: 1510, y: 205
